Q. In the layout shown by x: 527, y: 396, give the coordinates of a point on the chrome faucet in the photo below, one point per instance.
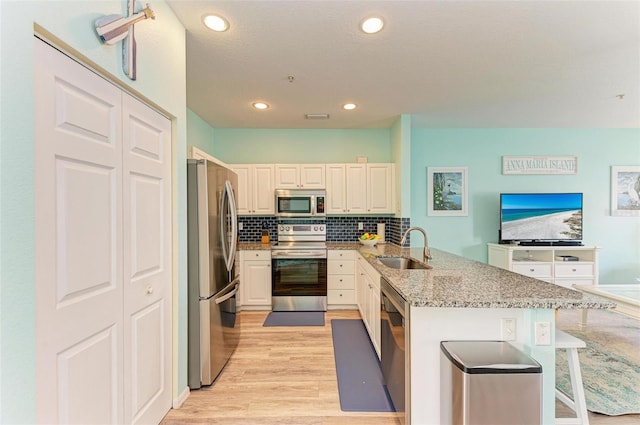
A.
x: 427, y: 252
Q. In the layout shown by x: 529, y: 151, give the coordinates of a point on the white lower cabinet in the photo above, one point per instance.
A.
x: 341, y: 269
x: 255, y: 280
x: 368, y: 299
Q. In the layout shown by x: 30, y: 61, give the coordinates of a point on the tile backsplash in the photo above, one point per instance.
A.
x: 339, y: 228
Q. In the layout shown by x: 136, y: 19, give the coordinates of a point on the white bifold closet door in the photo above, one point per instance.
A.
x: 103, y: 249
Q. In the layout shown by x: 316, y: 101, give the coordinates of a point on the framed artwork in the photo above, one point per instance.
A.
x: 447, y: 191
x: 625, y: 191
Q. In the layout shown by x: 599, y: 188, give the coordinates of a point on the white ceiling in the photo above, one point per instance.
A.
x: 448, y: 64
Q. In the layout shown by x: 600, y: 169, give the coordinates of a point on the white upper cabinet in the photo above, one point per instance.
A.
x: 360, y: 188
x: 300, y: 176
x: 380, y: 195
x: 356, y: 185
x: 336, y: 199
x: 255, y: 188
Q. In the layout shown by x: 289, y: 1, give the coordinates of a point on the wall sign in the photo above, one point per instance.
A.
x: 539, y: 165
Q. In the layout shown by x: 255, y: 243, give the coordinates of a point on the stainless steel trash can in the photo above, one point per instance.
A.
x: 488, y: 382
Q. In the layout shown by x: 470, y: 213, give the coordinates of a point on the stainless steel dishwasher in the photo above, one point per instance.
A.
x: 394, y: 347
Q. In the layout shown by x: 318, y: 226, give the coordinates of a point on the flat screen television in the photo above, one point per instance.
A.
x: 541, y: 218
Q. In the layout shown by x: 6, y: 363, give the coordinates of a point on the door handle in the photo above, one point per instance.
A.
x: 227, y: 296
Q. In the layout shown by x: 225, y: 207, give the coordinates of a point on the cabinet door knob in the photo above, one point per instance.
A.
x: 532, y: 270
x: 149, y: 290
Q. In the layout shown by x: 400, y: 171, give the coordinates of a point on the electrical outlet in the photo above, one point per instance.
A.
x: 360, y: 226
x: 543, y: 333
x: 240, y: 226
x: 508, y: 329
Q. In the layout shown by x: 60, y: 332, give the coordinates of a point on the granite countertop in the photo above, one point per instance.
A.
x: 455, y: 281
x: 253, y: 246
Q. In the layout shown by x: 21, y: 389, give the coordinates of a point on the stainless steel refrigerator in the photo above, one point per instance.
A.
x: 212, y: 282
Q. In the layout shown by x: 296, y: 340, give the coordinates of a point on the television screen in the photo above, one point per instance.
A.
x: 540, y: 217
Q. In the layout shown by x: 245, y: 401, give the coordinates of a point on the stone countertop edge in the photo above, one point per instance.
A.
x: 254, y: 246
x: 458, y: 282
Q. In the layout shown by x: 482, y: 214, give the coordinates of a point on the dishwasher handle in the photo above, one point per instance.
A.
x: 393, y: 296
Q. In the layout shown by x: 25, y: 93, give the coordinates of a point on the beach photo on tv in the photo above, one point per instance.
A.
x: 542, y: 216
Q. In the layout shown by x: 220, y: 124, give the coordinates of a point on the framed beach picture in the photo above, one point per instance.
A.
x: 447, y: 191
x: 625, y: 190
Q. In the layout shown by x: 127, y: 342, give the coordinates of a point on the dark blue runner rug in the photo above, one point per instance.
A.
x: 295, y: 318
x: 360, y: 382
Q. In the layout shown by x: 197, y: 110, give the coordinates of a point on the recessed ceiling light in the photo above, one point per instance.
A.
x: 216, y: 23
x: 260, y: 105
x: 349, y: 106
x: 372, y: 25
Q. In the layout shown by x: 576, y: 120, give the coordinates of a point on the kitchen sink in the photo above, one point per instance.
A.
x: 403, y: 263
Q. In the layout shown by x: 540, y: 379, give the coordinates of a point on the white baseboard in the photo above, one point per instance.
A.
x: 177, y: 402
x: 255, y: 308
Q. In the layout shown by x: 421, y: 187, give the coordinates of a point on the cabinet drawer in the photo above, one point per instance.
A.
x: 341, y: 254
x: 258, y: 254
x: 569, y: 270
x: 533, y: 270
x: 568, y: 283
x: 341, y: 296
x: 341, y: 281
x: 341, y: 267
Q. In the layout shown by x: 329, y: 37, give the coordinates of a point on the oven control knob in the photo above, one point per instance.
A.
x: 286, y: 228
x: 315, y: 228
x: 322, y: 228
x: 281, y: 228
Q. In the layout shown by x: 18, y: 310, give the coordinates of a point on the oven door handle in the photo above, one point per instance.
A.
x: 298, y: 254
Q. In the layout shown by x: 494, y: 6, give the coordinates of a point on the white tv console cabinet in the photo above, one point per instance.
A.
x: 545, y: 262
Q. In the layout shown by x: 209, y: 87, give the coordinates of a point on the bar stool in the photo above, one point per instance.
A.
x: 578, y: 404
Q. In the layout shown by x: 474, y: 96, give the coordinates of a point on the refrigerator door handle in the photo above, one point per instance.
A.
x: 234, y: 225
x: 223, y: 298
x: 229, y: 251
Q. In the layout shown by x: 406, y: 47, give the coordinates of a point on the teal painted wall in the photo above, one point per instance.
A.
x: 161, y: 68
x: 199, y: 133
x: 481, y: 150
x: 241, y: 146
x: 401, y: 156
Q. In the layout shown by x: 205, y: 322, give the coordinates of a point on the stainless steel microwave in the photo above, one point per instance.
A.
x: 300, y: 203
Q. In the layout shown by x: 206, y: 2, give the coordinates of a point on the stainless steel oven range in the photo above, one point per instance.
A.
x: 299, y: 268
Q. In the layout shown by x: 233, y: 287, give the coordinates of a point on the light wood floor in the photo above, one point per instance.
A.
x: 278, y: 375
x: 286, y: 375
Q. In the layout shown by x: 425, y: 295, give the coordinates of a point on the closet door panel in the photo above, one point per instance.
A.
x: 147, y: 262
x: 78, y: 224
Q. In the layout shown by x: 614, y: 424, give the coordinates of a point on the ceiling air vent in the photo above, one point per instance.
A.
x: 316, y: 116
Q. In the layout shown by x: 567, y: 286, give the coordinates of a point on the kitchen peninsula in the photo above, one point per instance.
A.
x: 462, y: 299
